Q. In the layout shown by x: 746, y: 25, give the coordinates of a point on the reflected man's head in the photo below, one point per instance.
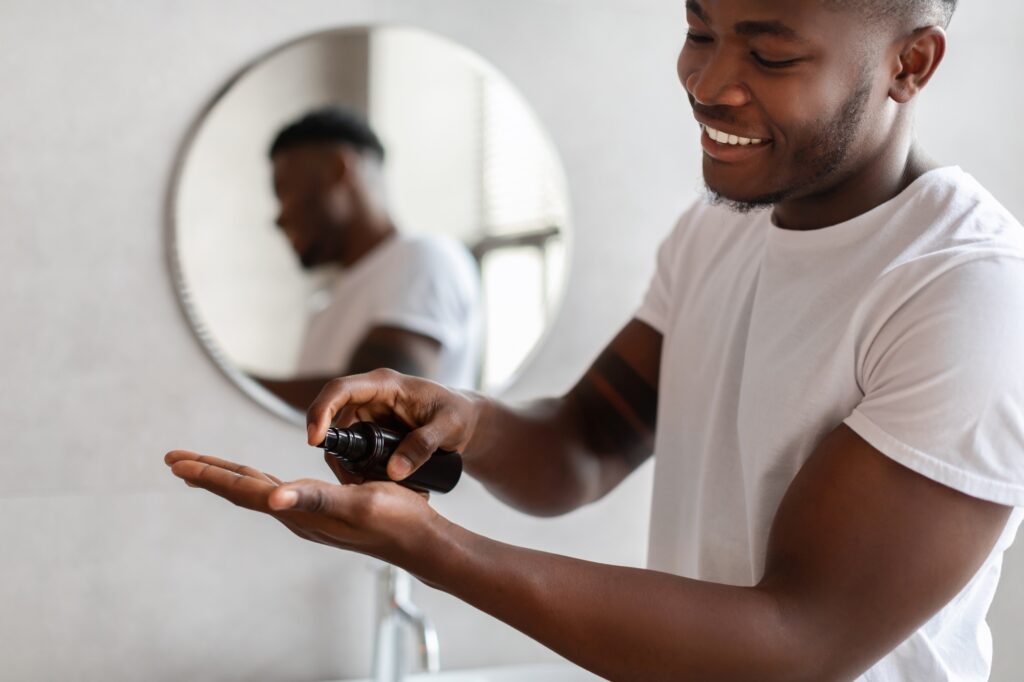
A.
x: 327, y: 182
x: 801, y: 94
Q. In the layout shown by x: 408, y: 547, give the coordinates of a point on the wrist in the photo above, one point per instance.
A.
x: 479, y: 409
x: 433, y: 552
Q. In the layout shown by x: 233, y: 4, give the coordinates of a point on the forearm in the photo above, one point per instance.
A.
x: 552, y: 456
x: 621, y: 623
x: 535, y: 457
x: 298, y: 392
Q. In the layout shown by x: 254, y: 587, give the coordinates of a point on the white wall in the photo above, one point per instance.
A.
x: 112, y: 570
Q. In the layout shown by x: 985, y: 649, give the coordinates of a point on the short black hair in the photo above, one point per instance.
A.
x: 921, y: 12
x: 329, y: 125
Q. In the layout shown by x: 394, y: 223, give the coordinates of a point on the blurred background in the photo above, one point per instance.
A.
x: 110, y: 568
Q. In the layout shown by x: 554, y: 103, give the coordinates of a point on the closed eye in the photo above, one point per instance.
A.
x: 697, y: 38
x: 769, y: 64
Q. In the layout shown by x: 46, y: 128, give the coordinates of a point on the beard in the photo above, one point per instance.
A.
x: 818, y: 159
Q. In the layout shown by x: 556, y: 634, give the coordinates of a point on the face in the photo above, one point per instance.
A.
x: 784, y: 96
x: 310, y: 214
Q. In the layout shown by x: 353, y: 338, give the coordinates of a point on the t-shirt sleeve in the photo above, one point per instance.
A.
x: 943, y: 381
x: 433, y: 289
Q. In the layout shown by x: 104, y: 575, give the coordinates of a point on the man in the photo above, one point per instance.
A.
x: 410, y: 303
x: 831, y: 346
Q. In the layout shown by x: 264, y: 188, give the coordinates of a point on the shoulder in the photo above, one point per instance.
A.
x: 956, y: 214
x: 949, y: 234
x: 437, y: 265
x: 433, y: 250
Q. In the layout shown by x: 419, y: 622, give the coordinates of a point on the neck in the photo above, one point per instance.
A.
x: 366, y: 235
x: 867, y: 186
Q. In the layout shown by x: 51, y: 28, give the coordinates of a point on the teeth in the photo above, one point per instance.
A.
x: 724, y: 138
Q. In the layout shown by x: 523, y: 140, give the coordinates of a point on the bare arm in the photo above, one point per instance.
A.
x: 546, y: 457
x: 554, y: 455
x: 862, y: 552
x: 398, y: 349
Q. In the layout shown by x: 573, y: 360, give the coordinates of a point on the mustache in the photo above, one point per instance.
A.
x: 717, y: 114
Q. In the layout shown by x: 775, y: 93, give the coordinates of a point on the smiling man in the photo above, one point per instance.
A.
x: 826, y: 367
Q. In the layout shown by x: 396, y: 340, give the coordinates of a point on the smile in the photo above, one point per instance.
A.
x: 726, y: 148
x: 725, y: 138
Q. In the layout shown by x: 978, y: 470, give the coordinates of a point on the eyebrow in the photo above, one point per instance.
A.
x: 692, y: 6
x: 771, y: 28
x: 750, y: 29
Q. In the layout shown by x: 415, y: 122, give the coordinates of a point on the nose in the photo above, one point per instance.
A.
x: 284, y: 219
x: 287, y: 226
x: 714, y: 82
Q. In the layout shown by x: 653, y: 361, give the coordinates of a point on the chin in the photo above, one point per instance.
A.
x: 728, y: 184
x: 308, y: 261
x: 730, y: 192
x: 741, y: 197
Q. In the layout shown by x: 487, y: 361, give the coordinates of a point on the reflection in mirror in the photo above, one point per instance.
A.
x: 368, y: 197
x: 409, y: 303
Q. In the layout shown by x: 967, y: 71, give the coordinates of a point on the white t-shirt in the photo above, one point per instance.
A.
x: 906, y: 323
x: 425, y: 284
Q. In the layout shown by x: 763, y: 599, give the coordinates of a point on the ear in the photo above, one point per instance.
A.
x: 335, y: 165
x: 339, y: 164
x: 919, y: 57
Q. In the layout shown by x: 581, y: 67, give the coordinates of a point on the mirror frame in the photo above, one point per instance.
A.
x: 183, y: 294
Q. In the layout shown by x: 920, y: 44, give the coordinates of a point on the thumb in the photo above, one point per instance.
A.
x: 414, y: 450
x: 309, y: 495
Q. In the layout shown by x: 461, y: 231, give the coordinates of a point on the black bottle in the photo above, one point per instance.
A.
x: 363, y: 449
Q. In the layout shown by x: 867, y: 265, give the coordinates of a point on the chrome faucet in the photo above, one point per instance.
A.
x: 395, y: 612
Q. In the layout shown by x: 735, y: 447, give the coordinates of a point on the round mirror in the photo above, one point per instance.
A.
x: 366, y: 197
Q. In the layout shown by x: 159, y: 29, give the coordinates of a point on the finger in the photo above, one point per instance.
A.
x: 177, y: 455
x: 337, y: 393
x: 245, y: 491
x: 415, y: 449
x: 346, y: 417
x: 378, y: 413
x: 310, y: 495
x: 241, y: 469
x: 346, y: 477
